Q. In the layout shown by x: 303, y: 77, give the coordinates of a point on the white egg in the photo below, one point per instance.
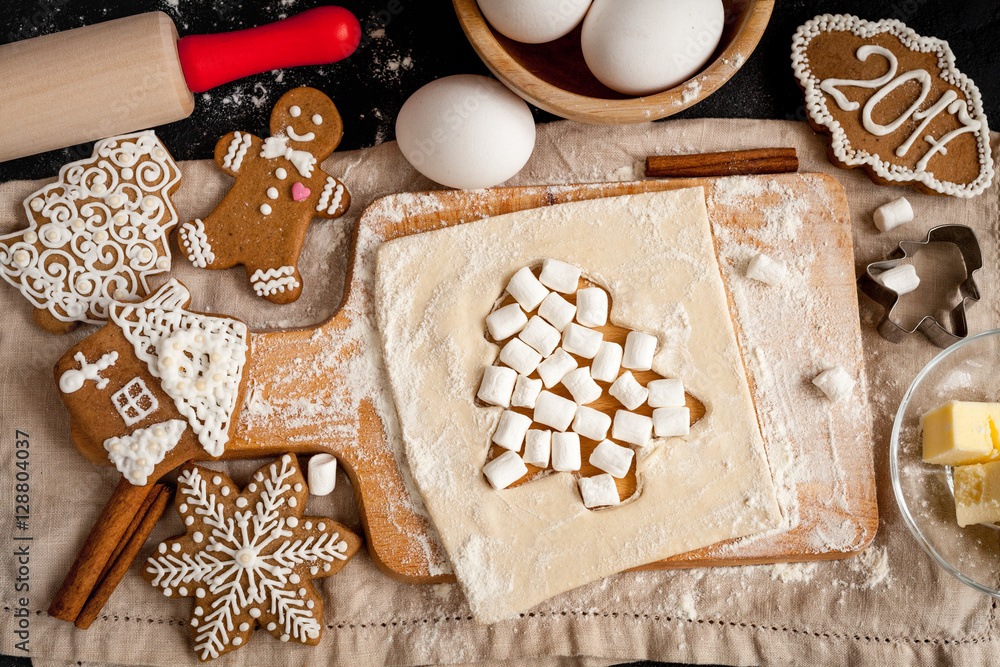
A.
x: 466, y: 131
x: 639, y: 47
x: 534, y: 21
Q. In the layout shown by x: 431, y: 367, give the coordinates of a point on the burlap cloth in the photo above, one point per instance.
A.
x: 832, y: 612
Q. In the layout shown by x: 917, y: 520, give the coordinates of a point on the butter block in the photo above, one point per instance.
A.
x: 960, y: 433
x: 977, y: 493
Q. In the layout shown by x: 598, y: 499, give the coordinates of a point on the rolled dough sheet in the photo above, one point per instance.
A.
x: 515, y: 548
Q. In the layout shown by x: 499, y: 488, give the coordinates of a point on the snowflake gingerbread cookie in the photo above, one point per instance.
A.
x: 248, y: 558
x: 262, y: 221
x: 894, y: 104
x: 158, y: 383
x: 96, y: 234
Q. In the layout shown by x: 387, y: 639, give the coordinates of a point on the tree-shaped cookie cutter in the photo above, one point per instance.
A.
x: 965, y: 240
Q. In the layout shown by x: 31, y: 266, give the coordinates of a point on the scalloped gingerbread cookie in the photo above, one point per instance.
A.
x: 894, y: 104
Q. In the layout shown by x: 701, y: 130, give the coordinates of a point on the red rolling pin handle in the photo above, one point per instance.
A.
x: 314, y: 37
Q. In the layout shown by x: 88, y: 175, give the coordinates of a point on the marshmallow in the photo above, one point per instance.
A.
x: 599, y: 491
x: 663, y: 394
x: 639, y: 350
x: 669, y: 422
x: 612, y: 459
x: 565, y: 452
x: 557, y: 311
x: 591, y: 423
x: 526, y: 390
x: 540, y: 335
x: 554, y: 411
x: 901, y: 279
x: 632, y: 428
x: 607, y: 363
x: 511, y: 430
x: 505, y: 322
x: 835, y: 383
x: 895, y: 213
x: 519, y: 356
x: 628, y: 390
x: 766, y: 270
x: 504, y: 470
x: 560, y: 276
x: 322, y: 474
x: 537, y: 444
x: 526, y: 289
x: 497, y: 386
x: 555, y: 368
x: 581, y: 387
x: 592, y: 307
x: 581, y: 341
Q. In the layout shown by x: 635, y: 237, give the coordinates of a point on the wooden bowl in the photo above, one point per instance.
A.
x: 554, y: 76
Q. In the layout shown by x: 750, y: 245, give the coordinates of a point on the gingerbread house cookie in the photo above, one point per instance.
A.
x: 894, y: 104
x: 96, y: 234
x: 262, y: 221
x: 158, y: 382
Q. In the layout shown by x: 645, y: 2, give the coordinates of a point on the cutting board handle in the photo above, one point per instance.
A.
x: 314, y: 37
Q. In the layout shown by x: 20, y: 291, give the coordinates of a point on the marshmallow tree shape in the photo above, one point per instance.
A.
x: 96, y: 234
x: 261, y: 223
x: 248, y: 558
x: 623, y: 357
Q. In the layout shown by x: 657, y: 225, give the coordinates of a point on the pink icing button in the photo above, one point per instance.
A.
x: 300, y: 192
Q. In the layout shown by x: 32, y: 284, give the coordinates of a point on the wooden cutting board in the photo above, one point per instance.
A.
x: 834, y: 515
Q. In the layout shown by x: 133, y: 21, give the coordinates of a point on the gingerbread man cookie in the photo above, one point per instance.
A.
x: 262, y: 221
x: 894, y: 104
x: 248, y: 558
x: 96, y: 234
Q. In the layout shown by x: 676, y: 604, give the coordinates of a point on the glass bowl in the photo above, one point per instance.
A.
x: 966, y: 371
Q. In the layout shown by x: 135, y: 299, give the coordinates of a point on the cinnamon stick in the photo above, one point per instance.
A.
x: 730, y: 163
x: 103, y: 541
x: 159, y: 498
x: 129, y: 532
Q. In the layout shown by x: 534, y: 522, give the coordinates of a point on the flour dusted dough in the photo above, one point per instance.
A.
x: 515, y: 548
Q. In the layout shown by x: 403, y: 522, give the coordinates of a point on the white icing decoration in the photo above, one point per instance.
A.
x: 294, y: 111
x: 72, y: 238
x: 294, y: 136
x: 280, y: 173
x: 246, y: 563
x: 194, y: 242
x: 135, y: 455
x: 816, y: 103
x: 272, y: 193
x: 303, y: 161
x: 73, y: 379
x: 317, y: 119
x: 265, y: 209
x: 238, y: 148
x: 198, y: 358
x: 134, y: 402
x: 334, y: 188
x: 272, y: 281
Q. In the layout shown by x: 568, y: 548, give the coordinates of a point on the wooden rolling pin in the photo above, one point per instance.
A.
x: 133, y: 73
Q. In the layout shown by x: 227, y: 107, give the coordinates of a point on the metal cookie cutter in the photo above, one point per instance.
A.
x: 959, y: 235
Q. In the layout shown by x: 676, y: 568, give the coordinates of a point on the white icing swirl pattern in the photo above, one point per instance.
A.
x: 199, y: 359
x: 136, y: 455
x: 94, y: 235
x: 272, y: 281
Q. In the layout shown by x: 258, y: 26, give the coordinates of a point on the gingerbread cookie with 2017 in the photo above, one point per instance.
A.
x: 894, y: 104
x: 261, y: 223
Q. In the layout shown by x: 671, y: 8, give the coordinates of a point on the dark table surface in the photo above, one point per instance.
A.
x: 407, y: 43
